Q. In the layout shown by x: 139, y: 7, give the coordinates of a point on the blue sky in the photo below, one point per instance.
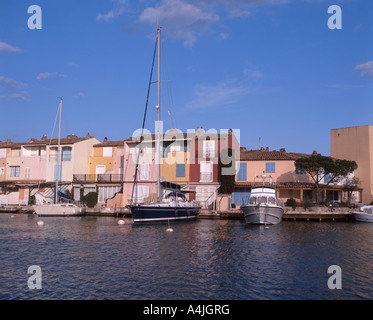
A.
x: 272, y: 69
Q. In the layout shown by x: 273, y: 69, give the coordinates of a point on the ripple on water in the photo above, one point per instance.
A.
x: 95, y: 258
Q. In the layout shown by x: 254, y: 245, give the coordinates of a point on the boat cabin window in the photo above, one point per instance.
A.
x: 252, y: 200
x: 262, y: 200
x: 178, y: 195
x: 271, y: 200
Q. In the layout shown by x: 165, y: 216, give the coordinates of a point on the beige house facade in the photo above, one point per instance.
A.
x: 356, y: 143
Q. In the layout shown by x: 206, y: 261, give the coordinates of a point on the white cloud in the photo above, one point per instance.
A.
x: 366, y: 69
x: 221, y: 94
x: 224, y: 35
x: 118, y: 10
x: 188, y: 19
x: 72, y: 64
x: 46, y: 75
x: 9, y: 48
x: 4, y: 81
x: 22, y: 96
x: 182, y: 19
x: 79, y: 95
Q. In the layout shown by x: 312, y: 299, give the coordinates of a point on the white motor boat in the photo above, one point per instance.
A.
x: 365, y: 214
x: 263, y: 207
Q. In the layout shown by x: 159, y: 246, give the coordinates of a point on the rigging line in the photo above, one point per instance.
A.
x: 144, y: 120
x: 50, y: 140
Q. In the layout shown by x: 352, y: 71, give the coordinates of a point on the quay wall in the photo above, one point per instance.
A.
x: 339, y: 214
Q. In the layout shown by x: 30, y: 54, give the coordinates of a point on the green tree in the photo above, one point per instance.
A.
x: 90, y: 199
x: 318, y: 166
x: 350, y: 185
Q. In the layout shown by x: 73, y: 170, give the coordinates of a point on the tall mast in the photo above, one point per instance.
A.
x: 159, y: 115
x: 59, y: 154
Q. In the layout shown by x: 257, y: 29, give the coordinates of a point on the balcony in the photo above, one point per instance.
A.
x: 97, y: 177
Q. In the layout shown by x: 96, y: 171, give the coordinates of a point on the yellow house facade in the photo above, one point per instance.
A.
x: 175, y: 167
x: 105, y: 171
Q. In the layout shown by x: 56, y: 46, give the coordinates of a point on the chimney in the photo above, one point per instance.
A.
x: 282, y: 150
x: 8, y: 141
x: 314, y: 153
x: 105, y: 139
x: 44, y: 137
x: 88, y: 135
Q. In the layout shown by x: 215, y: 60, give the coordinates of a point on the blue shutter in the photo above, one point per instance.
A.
x: 180, y: 170
x: 242, y: 172
x: 66, y: 154
x: 270, y: 167
x: 56, y: 172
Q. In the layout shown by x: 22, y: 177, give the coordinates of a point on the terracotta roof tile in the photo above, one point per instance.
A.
x: 71, y: 139
x: 265, y: 154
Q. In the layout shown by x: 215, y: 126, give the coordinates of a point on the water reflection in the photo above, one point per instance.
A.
x: 95, y: 258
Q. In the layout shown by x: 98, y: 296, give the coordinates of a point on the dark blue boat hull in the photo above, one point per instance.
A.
x: 154, y: 213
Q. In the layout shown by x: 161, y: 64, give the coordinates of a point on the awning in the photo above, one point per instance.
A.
x: 62, y: 195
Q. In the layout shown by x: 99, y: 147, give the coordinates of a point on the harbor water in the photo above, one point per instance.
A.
x: 96, y: 258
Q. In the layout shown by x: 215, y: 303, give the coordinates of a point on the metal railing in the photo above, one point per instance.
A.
x: 98, y: 177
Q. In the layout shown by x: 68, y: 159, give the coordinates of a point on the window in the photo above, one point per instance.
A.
x: 208, y: 149
x: 242, y: 171
x: 53, y: 154
x: 206, y: 171
x: 144, y: 173
x: 27, y: 173
x: 271, y: 200
x: 252, y: 200
x: 262, y: 199
x: 2, y: 171
x: 270, y: 167
x: 14, y: 171
x: 107, y: 152
x: 300, y: 171
x: 31, y: 151
x: 100, y: 169
x: 180, y: 170
x: 2, y: 153
x: 66, y: 153
x: 326, y: 178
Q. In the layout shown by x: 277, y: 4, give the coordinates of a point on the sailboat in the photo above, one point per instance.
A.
x: 173, y: 206
x: 59, y: 209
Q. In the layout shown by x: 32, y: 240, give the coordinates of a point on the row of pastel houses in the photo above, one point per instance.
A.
x: 195, y: 160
